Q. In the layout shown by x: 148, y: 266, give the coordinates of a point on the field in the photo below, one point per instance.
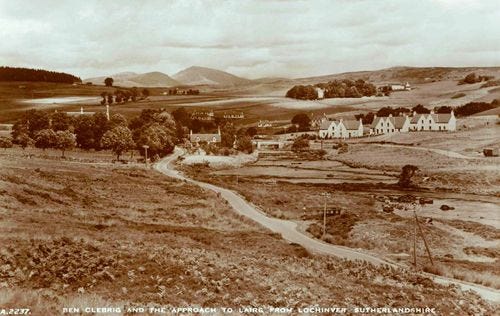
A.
x: 465, y: 240
x: 76, y: 237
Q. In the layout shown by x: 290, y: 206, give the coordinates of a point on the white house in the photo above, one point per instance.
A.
x: 341, y: 129
x: 433, y: 122
x: 321, y: 93
x: 390, y: 124
x: 353, y: 128
x: 208, y: 138
x: 400, y: 86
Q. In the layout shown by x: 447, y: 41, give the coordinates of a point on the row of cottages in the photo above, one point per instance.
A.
x: 418, y: 122
x: 341, y: 129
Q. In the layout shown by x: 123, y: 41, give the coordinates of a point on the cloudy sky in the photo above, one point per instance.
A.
x: 252, y: 39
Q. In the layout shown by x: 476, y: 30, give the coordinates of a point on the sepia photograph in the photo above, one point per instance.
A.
x: 249, y: 157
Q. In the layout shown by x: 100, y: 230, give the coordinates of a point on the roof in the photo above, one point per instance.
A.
x: 375, y: 121
x: 351, y: 124
x: 441, y: 118
x: 415, y: 118
x: 326, y: 124
x: 204, y: 137
x: 398, y: 121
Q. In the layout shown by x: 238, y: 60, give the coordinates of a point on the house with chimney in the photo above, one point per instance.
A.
x: 434, y: 122
x: 389, y: 124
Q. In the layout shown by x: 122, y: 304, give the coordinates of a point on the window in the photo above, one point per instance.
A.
x: 430, y: 121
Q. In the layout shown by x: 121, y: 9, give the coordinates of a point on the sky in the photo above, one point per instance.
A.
x: 252, y: 39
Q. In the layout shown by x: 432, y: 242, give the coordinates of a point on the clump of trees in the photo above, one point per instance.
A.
x: 28, y: 74
x: 121, y: 96
x: 334, y: 89
x: 5, y: 142
x: 300, y: 144
x: 475, y: 107
x: 108, y: 82
x: 119, y: 140
x: 473, y: 78
x: 176, y: 91
x: 406, y: 175
x: 302, y: 121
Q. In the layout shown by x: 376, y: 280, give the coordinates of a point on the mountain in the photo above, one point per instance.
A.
x: 132, y: 79
x: 207, y: 76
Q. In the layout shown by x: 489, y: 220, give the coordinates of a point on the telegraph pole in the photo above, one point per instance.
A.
x: 423, y: 237
x: 325, y: 195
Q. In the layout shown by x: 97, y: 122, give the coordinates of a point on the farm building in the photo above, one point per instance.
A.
x: 233, y: 115
x: 203, y: 115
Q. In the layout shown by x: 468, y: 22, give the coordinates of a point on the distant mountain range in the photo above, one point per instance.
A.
x: 207, y: 76
x: 195, y: 75
x: 191, y: 76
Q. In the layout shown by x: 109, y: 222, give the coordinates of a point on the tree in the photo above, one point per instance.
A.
x: 182, y: 116
x: 117, y: 120
x: 443, y: 109
x: 60, y: 121
x: 5, y: 142
x: 303, y: 121
x: 251, y: 131
x: 108, y: 82
x: 244, y: 144
x: 300, y: 143
x: 110, y: 99
x: 103, y: 95
x: 158, y: 138
x: 145, y: 93
x: 119, y: 140
x: 24, y: 140
x: 84, y: 130
x: 420, y: 109
x: 100, y: 126
x: 65, y: 140
x: 46, y: 138
x: 228, y: 133
x: 407, y: 173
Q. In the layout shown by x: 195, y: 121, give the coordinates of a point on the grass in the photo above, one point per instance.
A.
x: 78, y: 236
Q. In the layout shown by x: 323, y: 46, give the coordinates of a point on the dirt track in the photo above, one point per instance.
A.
x: 288, y: 231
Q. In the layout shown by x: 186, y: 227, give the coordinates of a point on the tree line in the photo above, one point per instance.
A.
x: 124, y: 96
x: 28, y: 74
x: 155, y: 128
x: 344, y: 88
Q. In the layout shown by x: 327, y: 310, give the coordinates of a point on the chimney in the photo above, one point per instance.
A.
x: 432, y: 111
x: 452, y: 113
x: 218, y: 130
x: 81, y: 110
x: 107, y: 111
x: 390, y: 115
x: 414, y: 113
x: 375, y: 116
x: 191, y: 132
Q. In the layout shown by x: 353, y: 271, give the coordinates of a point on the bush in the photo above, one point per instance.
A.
x: 5, y: 142
x: 300, y: 144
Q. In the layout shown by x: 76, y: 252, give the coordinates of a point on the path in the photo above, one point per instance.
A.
x: 289, y: 232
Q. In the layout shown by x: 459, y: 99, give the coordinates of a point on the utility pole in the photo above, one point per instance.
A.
x: 415, y: 244
x: 325, y: 195
x: 423, y: 237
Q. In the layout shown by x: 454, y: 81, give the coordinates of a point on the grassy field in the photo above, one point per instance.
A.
x: 75, y: 236
x: 286, y: 185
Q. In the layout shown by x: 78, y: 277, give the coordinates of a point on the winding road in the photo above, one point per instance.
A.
x: 289, y: 232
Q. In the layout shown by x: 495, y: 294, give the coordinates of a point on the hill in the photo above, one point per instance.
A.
x: 132, y: 79
x: 207, y: 76
x: 403, y: 74
x: 35, y: 75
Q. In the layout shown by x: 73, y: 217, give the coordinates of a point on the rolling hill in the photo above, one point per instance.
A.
x: 132, y: 79
x: 207, y: 76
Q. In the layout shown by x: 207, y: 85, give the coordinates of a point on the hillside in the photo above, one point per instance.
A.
x: 411, y: 74
x: 207, y: 76
x: 169, y: 243
x: 132, y: 79
x: 35, y: 75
